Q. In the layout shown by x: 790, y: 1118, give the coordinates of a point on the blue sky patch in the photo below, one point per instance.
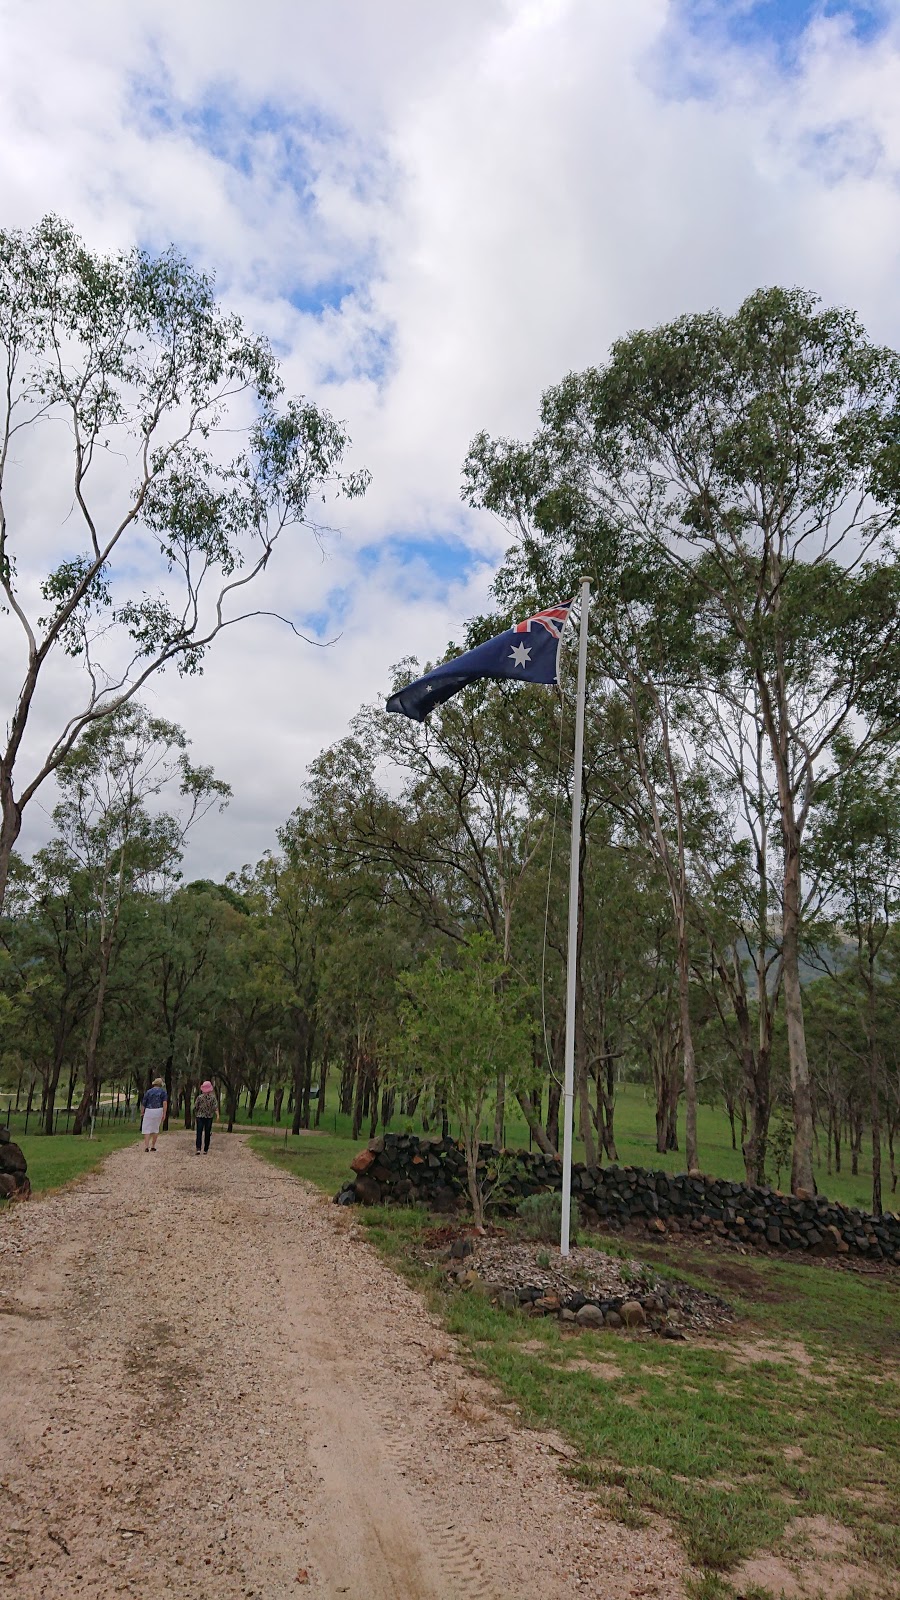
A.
x: 689, y: 56
x: 324, y: 296
x: 327, y: 621
x: 780, y: 23
x: 430, y: 565
x: 280, y: 151
x: 447, y: 558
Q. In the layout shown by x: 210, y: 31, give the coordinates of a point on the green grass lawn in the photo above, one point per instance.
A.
x: 634, y: 1134
x: 322, y: 1158
x: 636, y: 1144
x: 635, y: 1137
x: 56, y: 1160
x: 793, y: 1413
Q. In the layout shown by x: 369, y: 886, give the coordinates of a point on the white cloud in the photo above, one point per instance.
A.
x: 486, y: 194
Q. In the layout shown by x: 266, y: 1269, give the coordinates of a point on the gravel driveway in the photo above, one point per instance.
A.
x: 211, y: 1386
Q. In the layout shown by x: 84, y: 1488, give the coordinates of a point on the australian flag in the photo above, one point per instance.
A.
x: 528, y: 651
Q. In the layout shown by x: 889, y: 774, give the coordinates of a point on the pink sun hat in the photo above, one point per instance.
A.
x: 206, y: 1087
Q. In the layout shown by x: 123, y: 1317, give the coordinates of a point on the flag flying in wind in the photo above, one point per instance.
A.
x: 528, y: 651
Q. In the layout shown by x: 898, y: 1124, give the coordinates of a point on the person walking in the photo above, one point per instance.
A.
x: 154, y: 1105
x: 206, y: 1107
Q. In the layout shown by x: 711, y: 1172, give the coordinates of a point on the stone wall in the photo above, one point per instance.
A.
x: 14, y: 1184
x: 405, y: 1170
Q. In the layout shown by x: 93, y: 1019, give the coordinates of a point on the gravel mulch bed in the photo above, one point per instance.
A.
x: 503, y: 1262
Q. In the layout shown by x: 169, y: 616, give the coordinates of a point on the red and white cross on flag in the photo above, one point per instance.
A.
x: 553, y: 619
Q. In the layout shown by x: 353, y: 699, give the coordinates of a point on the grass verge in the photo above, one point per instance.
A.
x: 736, y: 1440
x: 322, y: 1158
x: 57, y: 1160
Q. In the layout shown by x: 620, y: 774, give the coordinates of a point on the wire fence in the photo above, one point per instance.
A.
x: 118, y: 1111
x: 109, y: 1113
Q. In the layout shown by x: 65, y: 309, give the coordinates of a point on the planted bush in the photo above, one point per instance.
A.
x: 540, y: 1218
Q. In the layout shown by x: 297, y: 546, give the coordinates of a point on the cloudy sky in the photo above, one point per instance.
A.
x: 435, y: 211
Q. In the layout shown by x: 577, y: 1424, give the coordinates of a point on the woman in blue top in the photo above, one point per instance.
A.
x: 153, y: 1106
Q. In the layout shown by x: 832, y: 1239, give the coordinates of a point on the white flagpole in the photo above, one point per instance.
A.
x: 572, y: 947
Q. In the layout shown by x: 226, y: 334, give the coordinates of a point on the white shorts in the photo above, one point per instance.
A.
x: 153, y: 1119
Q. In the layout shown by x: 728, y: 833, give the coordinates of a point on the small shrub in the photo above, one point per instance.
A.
x: 542, y: 1259
x: 505, y: 1170
x: 540, y: 1217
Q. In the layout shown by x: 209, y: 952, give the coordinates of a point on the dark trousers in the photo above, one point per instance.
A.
x: 204, y: 1129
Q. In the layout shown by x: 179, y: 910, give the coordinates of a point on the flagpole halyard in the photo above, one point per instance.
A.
x: 572, y: 943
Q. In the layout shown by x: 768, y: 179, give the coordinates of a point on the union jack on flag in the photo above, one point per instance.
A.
x: 553, y: 619
x: 507, y: 656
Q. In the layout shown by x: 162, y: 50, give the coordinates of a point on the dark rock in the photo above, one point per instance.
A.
x: 461, y: 1248
x: 590, y: 1316
x: 12, y: 1159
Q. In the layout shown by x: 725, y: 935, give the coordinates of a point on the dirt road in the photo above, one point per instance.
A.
x: 211, y: 1387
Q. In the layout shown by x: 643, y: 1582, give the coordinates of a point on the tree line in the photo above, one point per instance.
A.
x: 732, y: 486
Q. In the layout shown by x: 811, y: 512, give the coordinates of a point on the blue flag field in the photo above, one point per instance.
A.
x: 528, y: 652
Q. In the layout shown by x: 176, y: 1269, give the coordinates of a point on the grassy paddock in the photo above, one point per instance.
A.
x: 322, y: 1158
x: 635, y: 1138
x: 53, y: 1162
x: 794, y: 1413
x: 636, y: 1144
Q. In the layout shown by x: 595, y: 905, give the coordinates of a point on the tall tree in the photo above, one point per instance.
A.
x: 855, y: 834
x: 121, y: 764
x: 151, y: 380
x: 757, y: 456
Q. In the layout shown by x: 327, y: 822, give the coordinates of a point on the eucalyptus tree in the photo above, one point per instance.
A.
x: 854, y: 838
x: 735, y: 871
x: 47, y: 932
x: 459, y: 1021
x: 108, y: 782
x: 455, y: 846
x: 243, y: 1003
x: 289, y: 891
x: 475, y: 771
x: 368, y: 945
x: 756, y: 456
x: 126, y: 387
x: 182, y: 933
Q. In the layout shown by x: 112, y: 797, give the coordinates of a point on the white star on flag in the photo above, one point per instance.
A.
x: 520, y: 654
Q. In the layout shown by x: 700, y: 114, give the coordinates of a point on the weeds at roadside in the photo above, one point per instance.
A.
x: 710, y: 1586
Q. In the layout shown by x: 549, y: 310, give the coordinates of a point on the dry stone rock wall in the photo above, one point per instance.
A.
x: 14, y: 1184
x: 404, y: 1169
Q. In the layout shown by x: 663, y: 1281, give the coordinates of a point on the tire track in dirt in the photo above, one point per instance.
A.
x: 214, y: 1388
